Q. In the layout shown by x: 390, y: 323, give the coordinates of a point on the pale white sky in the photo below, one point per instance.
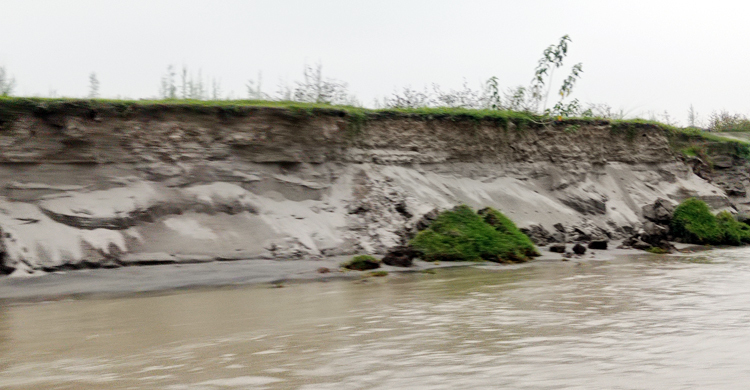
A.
x: 638, y: 56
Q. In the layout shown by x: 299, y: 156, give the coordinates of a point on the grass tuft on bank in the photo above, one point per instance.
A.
x: 694, y: 223
x: 461, y: 234
x: 362, y: 263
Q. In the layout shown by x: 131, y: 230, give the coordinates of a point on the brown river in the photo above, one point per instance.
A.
x: 648, y: 322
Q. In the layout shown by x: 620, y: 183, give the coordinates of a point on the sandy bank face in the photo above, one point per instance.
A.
x: 196, y: 188
x: 366, y: 208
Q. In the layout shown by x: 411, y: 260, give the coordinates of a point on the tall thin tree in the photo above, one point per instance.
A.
x: 7, y: 83
x: 93, y: 86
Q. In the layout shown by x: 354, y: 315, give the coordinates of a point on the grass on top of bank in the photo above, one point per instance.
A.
x: 35, y: 104
x: 11, y: 106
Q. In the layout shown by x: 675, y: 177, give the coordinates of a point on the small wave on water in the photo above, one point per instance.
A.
x: 667, y: 322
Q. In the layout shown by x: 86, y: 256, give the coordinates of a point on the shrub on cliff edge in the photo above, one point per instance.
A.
x: 463, y: 235
x: 694, y: 223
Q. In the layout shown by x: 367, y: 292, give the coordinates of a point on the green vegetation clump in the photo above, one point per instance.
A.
x: 657, y: 251
x: 694, y: 223
x: 362, y: 263
x: 505, y: 226
x: 378, y: 274
x: 695, y: 150
x: 463, y: 235
x: 734, y: 232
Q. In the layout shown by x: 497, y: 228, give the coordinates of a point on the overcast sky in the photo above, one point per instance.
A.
x: 638, y: 56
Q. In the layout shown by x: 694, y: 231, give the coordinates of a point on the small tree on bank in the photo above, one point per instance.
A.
x: 541, y: 84
x: 168, y: 89
x: 255, y: 89
x: 7, y: 83
x: 93, y: 86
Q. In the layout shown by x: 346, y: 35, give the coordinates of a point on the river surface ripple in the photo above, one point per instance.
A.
x: 648, y: 322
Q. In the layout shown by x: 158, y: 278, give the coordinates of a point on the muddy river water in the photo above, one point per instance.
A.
x: 649, y: 322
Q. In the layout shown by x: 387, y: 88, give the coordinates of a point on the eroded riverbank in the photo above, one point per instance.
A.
x: 115, y: 184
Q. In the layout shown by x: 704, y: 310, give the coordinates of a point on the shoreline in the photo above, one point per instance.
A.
x: 168, y: 278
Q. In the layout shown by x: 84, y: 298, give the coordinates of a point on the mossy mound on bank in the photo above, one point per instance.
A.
x: 362, y: 263
x: 463, y: 235
x: 505, y: 226
x: 734, y: 232
x: 694, y: 223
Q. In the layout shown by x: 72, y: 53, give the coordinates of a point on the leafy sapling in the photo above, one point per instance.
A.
x: 541, y: 84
